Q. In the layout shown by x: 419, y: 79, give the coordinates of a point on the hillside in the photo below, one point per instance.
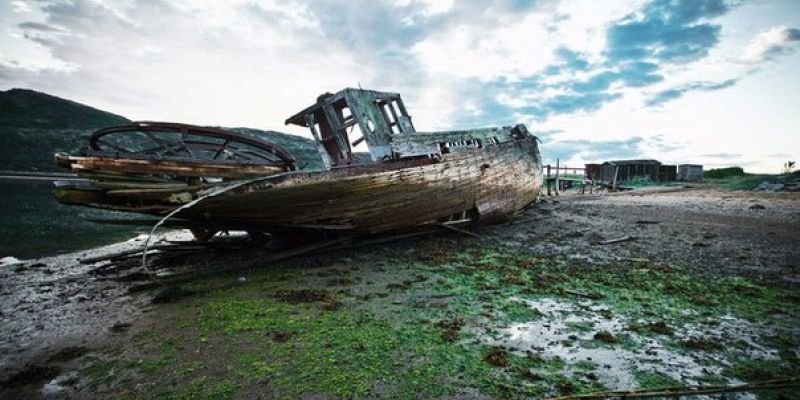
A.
x: 34, y: 125
x: 24, y: 108
x: 304, y: 149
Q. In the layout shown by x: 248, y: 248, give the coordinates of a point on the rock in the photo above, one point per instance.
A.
x: 9, y: 261
x: 605, y: 336
x: 757, y: 207
x: 769, y: 187
x: 120, y: 327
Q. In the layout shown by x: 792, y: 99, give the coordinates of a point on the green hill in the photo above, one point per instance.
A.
x: 24, y: 108
x: 304, y: 149
x: 35, y: 125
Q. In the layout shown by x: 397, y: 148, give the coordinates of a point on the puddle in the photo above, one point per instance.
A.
x: 567, y: 330
x: 729, y: 331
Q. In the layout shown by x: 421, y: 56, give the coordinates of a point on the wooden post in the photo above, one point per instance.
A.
x: 558, y: 185
x: 614, y: 182
x: 547, y: 180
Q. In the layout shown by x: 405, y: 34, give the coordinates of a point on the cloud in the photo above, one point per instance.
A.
x: 673, y: 31
x: 721, y: 155
x: 771, y: 43
x: 638, y: 47
x: 571, y: 60
x: 459, y: 63
x: 677, y: 92
x: 20, y: 7
x: 571, y: 103
x: 38, y: 26
x: 592, y: 150
x: 547, y: 135
x: 579, y: 151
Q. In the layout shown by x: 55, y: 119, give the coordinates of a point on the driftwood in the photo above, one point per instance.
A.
x: 125, y: 253
x: 618, y: 240
x: 592, y: 296
x: 462, y: 231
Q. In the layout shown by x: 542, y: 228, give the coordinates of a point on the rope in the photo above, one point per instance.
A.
x: 179, y: 209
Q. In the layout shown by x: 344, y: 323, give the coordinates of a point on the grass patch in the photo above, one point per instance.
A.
x: 723, y: 173
x: 734, y: 178
x: 650, y: 380
x: 750, y: 370
x: 747, y: 182
x: 517, y: 311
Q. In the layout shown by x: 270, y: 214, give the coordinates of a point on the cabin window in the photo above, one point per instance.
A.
x: 389, y: 111
x: 347, y: 117
x: 461, y: 145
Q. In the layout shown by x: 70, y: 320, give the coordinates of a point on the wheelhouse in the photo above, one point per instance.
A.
x: 340, y: 122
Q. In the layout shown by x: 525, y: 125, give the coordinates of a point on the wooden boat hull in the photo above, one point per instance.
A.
x: 480, y: 185
x: 209, y: 180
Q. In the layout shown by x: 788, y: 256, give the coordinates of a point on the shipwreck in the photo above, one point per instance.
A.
x: 211, y: 180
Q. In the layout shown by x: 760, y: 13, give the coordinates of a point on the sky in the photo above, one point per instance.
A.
x: 715, y: 82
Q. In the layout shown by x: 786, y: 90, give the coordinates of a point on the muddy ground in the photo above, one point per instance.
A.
x: 701, y: 288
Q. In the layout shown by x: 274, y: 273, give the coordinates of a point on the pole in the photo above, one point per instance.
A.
x: 547, y: 180
x: 558, y: 184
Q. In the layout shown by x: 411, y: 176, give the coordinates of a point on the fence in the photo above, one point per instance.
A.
x: 555, y: 182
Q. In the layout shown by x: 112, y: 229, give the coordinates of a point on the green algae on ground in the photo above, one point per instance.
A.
x: 377, y: 343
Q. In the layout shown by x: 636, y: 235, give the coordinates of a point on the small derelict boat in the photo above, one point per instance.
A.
x: 236, y: 182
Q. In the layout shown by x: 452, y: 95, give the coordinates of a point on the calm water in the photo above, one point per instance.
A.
x: 33, y: 224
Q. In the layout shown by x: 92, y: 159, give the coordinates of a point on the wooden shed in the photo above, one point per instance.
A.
x: 628, y: 170
x: 593, y: 171
x: 690, y: 172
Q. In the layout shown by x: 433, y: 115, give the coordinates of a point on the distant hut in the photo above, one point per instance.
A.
x: 628, y: 170
x: 593, y: 171
x: 690, y: 172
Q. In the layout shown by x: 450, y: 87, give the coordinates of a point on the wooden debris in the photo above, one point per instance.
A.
x: 591, y: 296
x: 462, y: 231
x: 618, y: 240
